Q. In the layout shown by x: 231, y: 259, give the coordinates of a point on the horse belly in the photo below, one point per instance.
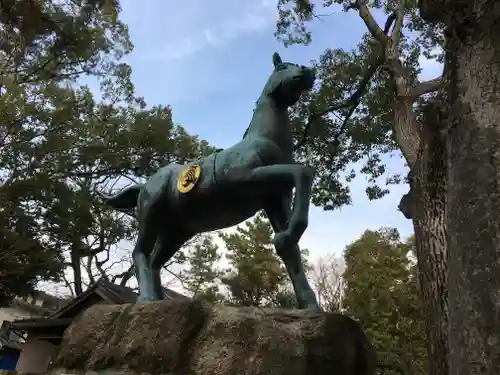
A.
x: 216, y: 201
x: 222, y: 212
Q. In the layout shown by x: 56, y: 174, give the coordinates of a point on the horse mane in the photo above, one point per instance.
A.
x: 246, y: 132
x: 248, y: 127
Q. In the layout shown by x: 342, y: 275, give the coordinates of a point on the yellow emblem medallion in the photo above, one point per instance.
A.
x: 188, y: 178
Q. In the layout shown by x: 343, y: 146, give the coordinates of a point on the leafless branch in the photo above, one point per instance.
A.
x: 88, y: 268
x: 110, y: 266
x: 396, y: 33
x: 327, y: 281
x: 176, y: 276
x: 98, y: 173
x: 388, y: 23
x: 124, y: 276
x: 369, y: 21
x: 99, y: 263
x: 131, y: 179
x: 68, y: 285
x: 426, y: 87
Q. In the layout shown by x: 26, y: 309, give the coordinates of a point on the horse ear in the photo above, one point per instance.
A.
x: 276, y: 59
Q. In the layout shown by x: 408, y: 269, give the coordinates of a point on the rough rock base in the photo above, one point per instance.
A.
x: 196, y: 338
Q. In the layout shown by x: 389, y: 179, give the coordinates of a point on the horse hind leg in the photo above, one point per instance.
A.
x: 142, y: 268
x: 156, y: 273
x: 167, y: 244
x: 141, y: 258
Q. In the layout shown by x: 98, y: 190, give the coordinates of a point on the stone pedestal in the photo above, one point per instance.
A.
x: 195, y: 338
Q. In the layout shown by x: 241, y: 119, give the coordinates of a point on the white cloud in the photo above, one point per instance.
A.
x: 430, y: 68
x: 210, y: 37
x: 196, y: 35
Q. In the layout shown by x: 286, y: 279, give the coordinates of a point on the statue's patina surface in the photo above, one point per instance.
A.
x: 229, y: 187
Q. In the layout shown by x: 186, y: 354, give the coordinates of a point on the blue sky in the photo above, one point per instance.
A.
x: 210, y: 60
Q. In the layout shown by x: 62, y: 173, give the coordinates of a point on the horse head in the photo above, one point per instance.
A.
x: 288, y: 81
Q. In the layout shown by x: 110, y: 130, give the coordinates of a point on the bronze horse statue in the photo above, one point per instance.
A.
x: 228, y: 187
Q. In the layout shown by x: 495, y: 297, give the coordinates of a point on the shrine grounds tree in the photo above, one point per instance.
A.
x: 201, y: 275
x: 101, y: 148
x: 473, y: 106
x: 44, y: 44
x: 60, y: 148
x: 381, y: 290
x: 373, y: 104
x: 256, y: 273
x: 326, y: 278
x: 257, y: 276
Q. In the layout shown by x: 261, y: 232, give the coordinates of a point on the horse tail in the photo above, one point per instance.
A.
x: 125, y: 199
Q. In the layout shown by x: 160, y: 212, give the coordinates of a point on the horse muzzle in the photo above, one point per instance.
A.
x: 306, y: 78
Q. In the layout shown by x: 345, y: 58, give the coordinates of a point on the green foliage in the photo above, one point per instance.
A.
x: 257, y: 276
x: 66, y: 153
x: 332, y: 147
x: 382, y: 292
x: 61, y: 148
x: 201, y: 276
x: 24, y: 257
x: 45, y: 46
x: 58, y: 40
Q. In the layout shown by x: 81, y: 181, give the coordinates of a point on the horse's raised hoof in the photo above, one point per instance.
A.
x: 283, y: 240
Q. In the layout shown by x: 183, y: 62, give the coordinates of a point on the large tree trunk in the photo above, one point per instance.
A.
x: 473, y: 196
x: 426, y: 206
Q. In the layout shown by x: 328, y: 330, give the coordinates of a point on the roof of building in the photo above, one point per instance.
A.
x: 6, y: 341
x: 42, y: 304
x: 50, y: 301
x: 30, y: 307
x: 103, y: 289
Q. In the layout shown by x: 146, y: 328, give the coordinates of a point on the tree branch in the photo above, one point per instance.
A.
x: 396, y: 32
x: 178, y: 277
x: 369, y: 21
x: 352, y: 101
x: 88, y: 269
x: 426, y: 87
x: 68, y: 285
x: 405, y: 205
x: 355, y: 98
x: 124, y: 276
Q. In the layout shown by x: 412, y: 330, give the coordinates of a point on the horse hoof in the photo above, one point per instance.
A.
x: 143, y: 299
x: 314, y: 308
x: 282, y: 240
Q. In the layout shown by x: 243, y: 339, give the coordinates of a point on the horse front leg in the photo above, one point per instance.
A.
x: 278, y: 213
x: 301, y: 177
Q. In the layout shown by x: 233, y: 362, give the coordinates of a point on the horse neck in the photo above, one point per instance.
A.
x: 272, y: 123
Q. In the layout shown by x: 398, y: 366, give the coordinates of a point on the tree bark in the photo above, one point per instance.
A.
x: 427, y: 203
x: 473, y: 195
x: 75, y: 256
x: 423, y: 146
